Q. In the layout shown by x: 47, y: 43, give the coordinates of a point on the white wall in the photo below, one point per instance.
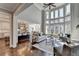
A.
x: 31, y: 14
x: 75, y: 21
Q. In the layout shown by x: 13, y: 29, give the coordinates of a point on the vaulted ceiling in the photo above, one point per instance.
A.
x: 40, y: 5
x: 11, y: 7
x: 31, y: 14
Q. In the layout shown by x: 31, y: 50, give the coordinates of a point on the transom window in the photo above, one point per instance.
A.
x: 56, y: 14
x: 67, y: 9
x: 47, y: 15
x: 61, y: 20
x: 56, y: 21
x: 52, y: 14
x: 47, y: 22
x: 52, y: 22
x: 61, y: 12
x: 67, y: 18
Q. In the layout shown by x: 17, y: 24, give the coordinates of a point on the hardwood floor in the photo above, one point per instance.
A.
x: 22, y: 50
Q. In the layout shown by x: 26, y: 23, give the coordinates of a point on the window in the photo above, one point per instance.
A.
x: 67, y: 18
x: 52, y: 28
x: 56, y: 21
x: 61, y: 12
x: 56, y: 14
x: 67, y: 28
x: 34, y: 27
x: 61, y: 28
x: 61, y: 20
x: 67, y: 25
x: 67, y: 9
x: 52, y: 22
x: 46, y: 29
x: 52, y: 14
x: 47, y: 15
x: 47, y: 22
x: 57, y: 30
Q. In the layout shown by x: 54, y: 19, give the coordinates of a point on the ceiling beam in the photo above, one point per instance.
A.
x: 22, y: 7
x: 16, y: 7
x: 3, y: 10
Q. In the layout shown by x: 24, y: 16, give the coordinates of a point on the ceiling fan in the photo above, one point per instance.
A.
x: 49, y: 5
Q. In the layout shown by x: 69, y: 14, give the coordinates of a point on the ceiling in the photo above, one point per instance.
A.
x: 12, y: 6
x: 9, y: 6
x: 40, y: 5
x: 33, y: 13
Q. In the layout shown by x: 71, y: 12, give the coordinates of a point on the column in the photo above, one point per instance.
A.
x: 15, y: 32
x: 43, y: 21
x: 49, y: 21
x: 11, y: 31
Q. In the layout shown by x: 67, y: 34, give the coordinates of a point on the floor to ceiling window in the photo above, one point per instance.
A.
x: 67, y: 19
x: 60, y: 20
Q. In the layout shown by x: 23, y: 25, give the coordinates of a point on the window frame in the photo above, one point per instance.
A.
x: 57, y: 18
